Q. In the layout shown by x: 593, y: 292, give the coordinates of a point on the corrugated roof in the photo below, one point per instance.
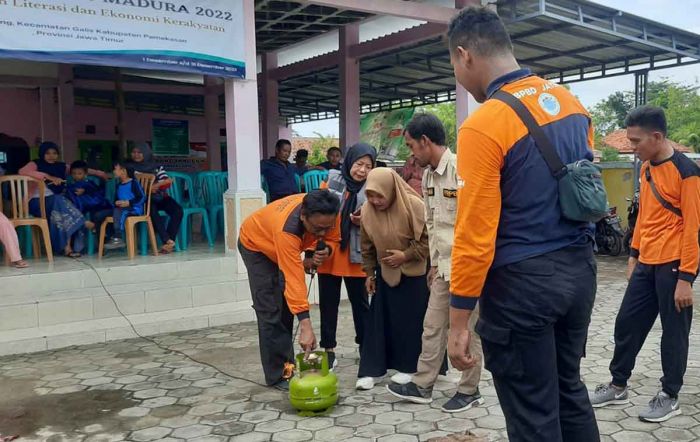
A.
x: 618, y: 140
x: 565, y: 40
x: 283, y: 23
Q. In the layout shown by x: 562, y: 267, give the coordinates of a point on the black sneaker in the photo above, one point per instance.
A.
x: 282, y: 385
x: 462, y: 402
x: 332, y: 362
x: 411, y: 392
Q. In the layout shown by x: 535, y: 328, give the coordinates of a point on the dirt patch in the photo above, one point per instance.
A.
x: 22, y: 412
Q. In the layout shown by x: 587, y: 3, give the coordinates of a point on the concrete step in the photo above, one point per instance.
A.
x: 65, y: 303
x: 74, y: 275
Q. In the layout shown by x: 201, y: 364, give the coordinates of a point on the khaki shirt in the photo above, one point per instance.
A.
x: 440, y: 195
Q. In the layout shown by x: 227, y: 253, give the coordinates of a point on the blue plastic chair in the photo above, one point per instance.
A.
x: 213, y: 185
x: 314, y: 178
x: 183, y: 191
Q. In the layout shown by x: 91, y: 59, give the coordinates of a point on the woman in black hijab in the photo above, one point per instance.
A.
x: 142, y: 162
x: 345, y: 263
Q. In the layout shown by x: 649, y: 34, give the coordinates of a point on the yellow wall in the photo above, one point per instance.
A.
x: 619, y: 184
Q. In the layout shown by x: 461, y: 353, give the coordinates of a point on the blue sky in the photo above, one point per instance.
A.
x: 683, y: 14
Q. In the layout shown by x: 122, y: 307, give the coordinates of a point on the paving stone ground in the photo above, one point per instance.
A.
x: 132, y: 390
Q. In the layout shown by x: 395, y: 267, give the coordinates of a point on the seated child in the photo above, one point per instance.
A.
x: 87, y: 196
x: 130, y: 200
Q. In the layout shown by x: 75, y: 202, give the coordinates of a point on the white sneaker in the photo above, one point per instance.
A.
x: 366, y: 383
x: 401, y: 378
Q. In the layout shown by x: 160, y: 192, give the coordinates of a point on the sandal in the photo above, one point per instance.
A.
x: 168, y: 247
x: 21, y: 264
x: 74, y: 255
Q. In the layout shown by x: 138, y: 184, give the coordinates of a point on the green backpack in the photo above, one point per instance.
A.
x: 582, y: 195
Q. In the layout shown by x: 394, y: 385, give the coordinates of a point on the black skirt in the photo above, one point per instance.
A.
x: 394, y: 327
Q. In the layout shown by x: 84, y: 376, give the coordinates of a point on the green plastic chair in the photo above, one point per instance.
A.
x: 314, y: 178
x: 183, y: 191
x: 212, y: 186
x: 111, y: 189
x: 265, y: 188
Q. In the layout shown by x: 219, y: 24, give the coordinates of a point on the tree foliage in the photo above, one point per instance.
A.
x: 447, y: 113
x: 681, y: 103
x: 609, y: 154
x: 319, y: 147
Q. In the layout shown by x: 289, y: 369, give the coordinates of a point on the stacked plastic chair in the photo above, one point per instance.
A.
x: 212, y: 186
x: 183, y: 191
x: 314, y: 178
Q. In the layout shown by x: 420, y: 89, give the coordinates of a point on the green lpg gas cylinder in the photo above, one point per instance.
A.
x: 314, y: 387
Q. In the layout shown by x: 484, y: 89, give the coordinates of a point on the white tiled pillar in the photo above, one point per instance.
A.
x: 244, y: 195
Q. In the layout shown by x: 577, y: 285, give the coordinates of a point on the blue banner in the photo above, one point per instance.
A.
x: 197, y: 36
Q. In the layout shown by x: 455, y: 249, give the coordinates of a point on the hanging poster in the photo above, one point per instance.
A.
x: 384, y: 130
x: 171, y: 138
x: 197, y: 36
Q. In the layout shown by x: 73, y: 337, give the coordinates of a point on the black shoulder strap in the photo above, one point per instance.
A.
x: 556, y: 166
x: 668, y: 206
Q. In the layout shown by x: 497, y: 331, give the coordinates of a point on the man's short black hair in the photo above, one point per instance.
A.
x: 130, y: 172
x: 648, y: 117
x: 320, y: 201
x: 281, y: 143
x: 428, y: 125
x: 302, y: 153
x: 480, y: 30
x: 79, y: 164
x: 331, y: 149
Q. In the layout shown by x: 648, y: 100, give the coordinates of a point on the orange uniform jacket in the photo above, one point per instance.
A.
x: 277, y: 232
x: 507, y: 208
x: 338, y: 264
x: 660, y: 236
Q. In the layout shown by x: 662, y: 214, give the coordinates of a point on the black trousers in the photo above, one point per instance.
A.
x: 172, y: 208
x: 275, y: 321
x: 650, y: 293
x: 393, y: 337
x: 329, y: 301
x: 98, y: 216
x: 533, y: 325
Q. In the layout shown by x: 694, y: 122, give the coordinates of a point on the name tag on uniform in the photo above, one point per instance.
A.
x: 431, y: 191
x: 449, y: 193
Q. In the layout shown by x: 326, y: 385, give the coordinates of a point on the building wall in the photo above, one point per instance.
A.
x: 20, y: 116
x: 137, y: 125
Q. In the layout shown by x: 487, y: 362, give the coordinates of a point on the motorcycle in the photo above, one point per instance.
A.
x: 632, y: 214
x: 609, y: 234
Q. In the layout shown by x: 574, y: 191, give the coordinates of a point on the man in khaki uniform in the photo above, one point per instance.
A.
x: 425, y: 136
